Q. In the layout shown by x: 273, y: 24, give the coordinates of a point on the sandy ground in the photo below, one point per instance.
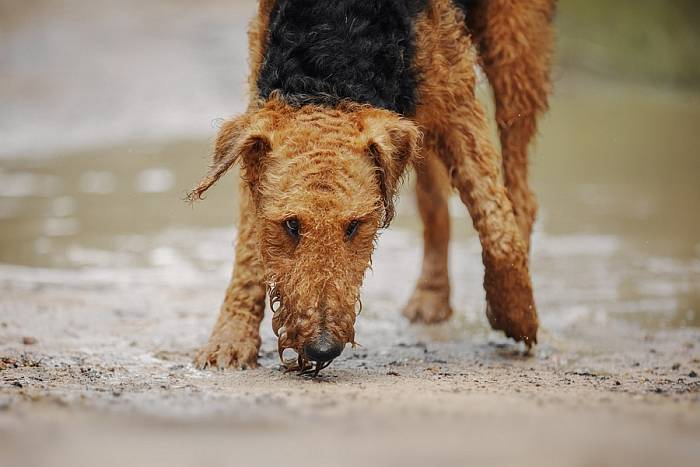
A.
x: 96, y: 365
x: 108, y: 283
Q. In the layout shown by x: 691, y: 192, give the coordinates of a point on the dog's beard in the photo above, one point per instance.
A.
x: 287, y: 336
x: 283, y: 328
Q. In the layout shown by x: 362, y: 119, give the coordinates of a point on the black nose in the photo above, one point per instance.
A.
x: 323, y: 349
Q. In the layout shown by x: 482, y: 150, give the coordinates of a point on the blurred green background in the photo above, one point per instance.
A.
x: 647, y: 41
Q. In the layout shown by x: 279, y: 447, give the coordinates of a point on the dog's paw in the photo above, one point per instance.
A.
x: 428, y: 306
x: 229, y: 348
x: 520, y: 325
x: 510, y: 302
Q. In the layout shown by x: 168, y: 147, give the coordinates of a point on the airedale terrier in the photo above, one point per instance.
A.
x: 346, y: 96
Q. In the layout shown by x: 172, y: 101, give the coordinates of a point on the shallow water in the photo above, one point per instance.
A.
x: 617, y: 243
x: 616, y: 170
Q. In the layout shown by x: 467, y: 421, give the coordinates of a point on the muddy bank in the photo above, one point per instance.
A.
x: 96, y: 364
x: 110, y: 378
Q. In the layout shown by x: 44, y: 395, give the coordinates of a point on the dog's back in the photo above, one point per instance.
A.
x: 325, y: 52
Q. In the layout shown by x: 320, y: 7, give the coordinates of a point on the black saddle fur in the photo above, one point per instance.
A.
x: 325, y: 51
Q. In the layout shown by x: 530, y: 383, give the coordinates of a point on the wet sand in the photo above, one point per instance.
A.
x: 109, y: 282
x: 110, y: 377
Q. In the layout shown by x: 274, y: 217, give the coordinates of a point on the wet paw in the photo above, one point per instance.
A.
x: 511, y: 305
x: 520, y: 325
x: 229, y: 348
x: 428, y: 306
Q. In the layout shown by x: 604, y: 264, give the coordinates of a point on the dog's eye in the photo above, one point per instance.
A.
x: 292, y: 227
x: 351, y: 229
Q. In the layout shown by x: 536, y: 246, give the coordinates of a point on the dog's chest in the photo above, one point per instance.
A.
x: 323, y: 52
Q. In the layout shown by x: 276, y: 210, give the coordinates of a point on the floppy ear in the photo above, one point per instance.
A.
x: 392, y: 143
x: 238, y: 139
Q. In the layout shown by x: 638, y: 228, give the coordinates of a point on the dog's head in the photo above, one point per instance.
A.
x: 323, y: 183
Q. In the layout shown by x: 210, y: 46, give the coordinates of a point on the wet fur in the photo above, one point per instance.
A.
x: 328, y: 161
x: 357, y: 50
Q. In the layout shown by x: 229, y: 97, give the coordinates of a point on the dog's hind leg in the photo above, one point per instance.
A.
x: 235, y: 340
x: 515, y: 41
x: 430, y: 302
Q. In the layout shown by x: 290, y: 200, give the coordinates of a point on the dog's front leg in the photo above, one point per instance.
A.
x: 235, y: 340
x: 475, y: 170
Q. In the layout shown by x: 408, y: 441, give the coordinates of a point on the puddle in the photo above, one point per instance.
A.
x: 617, y: 243
x: 616, y: 171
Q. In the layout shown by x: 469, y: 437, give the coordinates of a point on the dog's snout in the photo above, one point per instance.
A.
x: 323, y: 348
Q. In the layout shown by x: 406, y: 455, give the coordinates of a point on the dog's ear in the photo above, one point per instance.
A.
x: 240, y: 139
x: 392, y: 144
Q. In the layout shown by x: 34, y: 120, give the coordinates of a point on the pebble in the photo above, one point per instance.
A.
x: 29, y: 340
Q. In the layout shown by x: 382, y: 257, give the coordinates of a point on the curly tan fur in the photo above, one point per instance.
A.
x: 430, y: 302
x: 328, y: 169
x: 515, y: 41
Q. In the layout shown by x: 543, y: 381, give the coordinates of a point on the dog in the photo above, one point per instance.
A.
x: 346, y: 97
